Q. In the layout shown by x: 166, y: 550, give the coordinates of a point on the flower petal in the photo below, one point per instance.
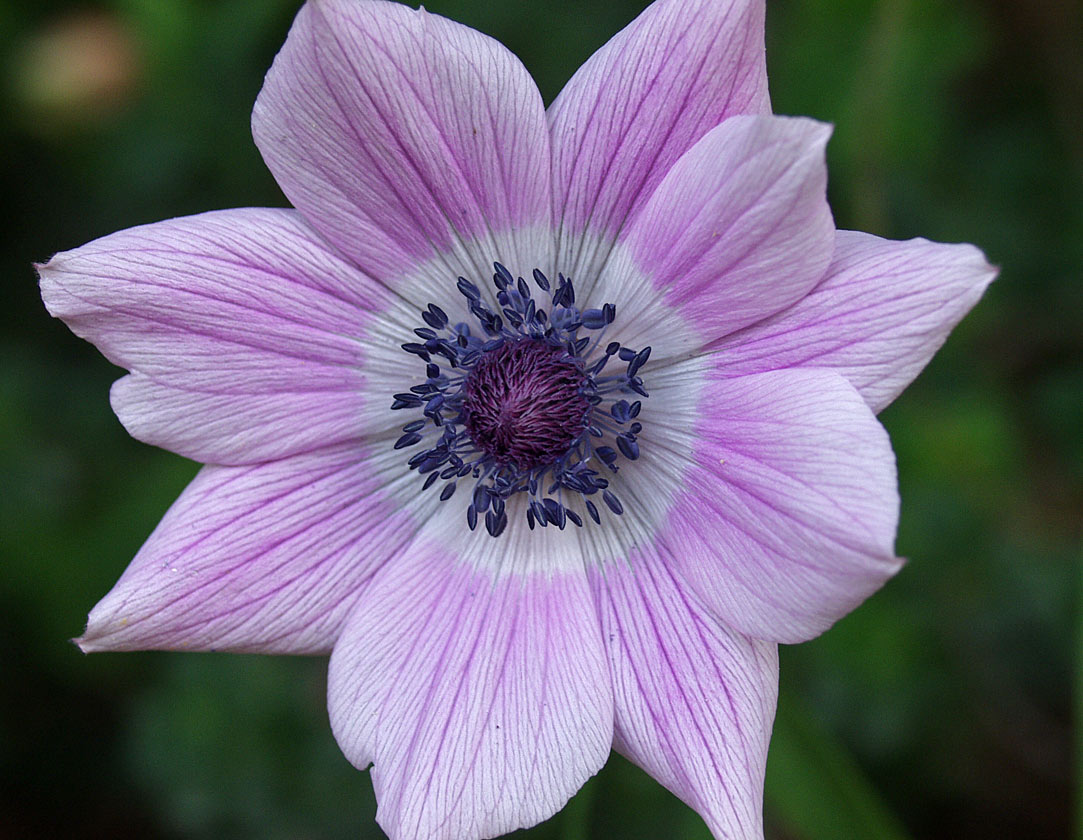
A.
x: 641, y: 102
x: 268, y: 558
x: 244, y: 329
x: 396, y: 131
x: 791, y: 511
x: 740, y: 227
x: 694, y: 700
x: 482, y: 699
x: 880, y: 313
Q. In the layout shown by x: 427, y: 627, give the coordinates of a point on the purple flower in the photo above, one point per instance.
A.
x: 547, y: 424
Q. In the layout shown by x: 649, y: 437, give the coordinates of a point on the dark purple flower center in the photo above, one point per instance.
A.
x: 524, y: 403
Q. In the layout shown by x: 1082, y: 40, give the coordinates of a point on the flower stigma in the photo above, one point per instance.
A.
x: 523, y: 404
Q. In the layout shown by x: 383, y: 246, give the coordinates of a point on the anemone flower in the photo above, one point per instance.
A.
x: 548, y: 424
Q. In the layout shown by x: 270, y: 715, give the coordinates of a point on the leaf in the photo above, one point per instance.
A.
x: 815, y: 788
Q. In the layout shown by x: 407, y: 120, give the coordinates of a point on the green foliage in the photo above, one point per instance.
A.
x: 816, y: 790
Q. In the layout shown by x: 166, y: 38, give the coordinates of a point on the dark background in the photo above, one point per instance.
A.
x: 942, y: 708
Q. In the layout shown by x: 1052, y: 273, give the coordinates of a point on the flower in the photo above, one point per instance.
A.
x: 660, y: 412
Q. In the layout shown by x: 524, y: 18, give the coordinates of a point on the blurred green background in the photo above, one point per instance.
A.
x: 940, y: 709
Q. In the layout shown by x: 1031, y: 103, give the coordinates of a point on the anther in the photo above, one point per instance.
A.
x: 523, y: 408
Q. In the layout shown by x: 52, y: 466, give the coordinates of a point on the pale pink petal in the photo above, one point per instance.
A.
x: 641, y: 102
x: 268, y: 558
x: 228, y: 428
x: 740, y: 227
x: 481, y: 697
x: 880, y: 313
x: 397, y: 131
x: 244, y: 331
x: 694, y: 700
x: 789, y: 519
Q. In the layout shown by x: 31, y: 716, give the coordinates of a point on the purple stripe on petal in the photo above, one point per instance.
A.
x: 641, y: 102
x: 399, y: 132
x: 740, y: 227
x: 482, y: 700
x: 877, y: 317
x: 238, y: 324
x: 790, y: 519
x: 268, y: 558
x: 694, y: 700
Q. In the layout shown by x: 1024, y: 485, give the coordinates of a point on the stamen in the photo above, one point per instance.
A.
x: 525, y: 408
